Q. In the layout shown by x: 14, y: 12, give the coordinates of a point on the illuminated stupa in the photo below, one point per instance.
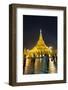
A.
x: 39, y: 58
x: 40, y: 48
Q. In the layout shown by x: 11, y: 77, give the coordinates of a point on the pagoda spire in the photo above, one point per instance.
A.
x: 40, y: 32
x: 41, y: 37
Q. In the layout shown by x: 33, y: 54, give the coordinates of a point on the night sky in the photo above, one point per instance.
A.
x: 31, y: 30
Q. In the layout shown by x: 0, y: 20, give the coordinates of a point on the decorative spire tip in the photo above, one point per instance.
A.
x: 40, y: 31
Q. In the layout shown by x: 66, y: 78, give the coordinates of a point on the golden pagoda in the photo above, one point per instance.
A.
x: 35, y: 58
x: 40, y: 48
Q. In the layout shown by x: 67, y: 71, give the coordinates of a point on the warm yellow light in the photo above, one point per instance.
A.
x: 40, y: 47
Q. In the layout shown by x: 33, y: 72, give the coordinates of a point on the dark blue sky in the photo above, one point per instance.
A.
x: 31, y: 30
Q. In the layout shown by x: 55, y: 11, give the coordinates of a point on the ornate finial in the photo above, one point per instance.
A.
x: 40, y: 38
x: 40, y: 31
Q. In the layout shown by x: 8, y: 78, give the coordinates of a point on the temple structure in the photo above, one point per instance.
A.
x: 40, y: 59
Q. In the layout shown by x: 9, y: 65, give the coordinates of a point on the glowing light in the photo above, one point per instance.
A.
x: 39, y: 50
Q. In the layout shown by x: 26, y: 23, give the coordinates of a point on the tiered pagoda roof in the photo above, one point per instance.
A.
x: 40, y: 47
